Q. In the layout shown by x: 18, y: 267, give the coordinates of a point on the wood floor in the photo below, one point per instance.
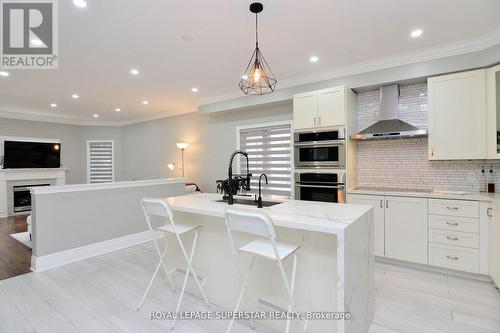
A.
x: 15, y: 257
x: 100, y: 295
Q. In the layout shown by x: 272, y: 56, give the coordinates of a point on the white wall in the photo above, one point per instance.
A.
x: 150, y: 146
x: 73, y: 142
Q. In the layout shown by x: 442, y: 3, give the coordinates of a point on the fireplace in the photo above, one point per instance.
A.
x: 22, y: 197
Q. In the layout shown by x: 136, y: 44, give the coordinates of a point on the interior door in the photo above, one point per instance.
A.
x: 305, y: 110
x: 331, y: 107
x: 377, y: 201
x: 406, y: 229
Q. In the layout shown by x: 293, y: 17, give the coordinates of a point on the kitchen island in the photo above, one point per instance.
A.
x: 335, y: 264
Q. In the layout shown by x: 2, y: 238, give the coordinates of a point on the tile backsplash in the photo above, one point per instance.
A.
x: 403, y: 163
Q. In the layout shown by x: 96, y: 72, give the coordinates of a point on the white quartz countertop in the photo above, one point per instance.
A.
x: 454, y: 195
x: 303, y: 215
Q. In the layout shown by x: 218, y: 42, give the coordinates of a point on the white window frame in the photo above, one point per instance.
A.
x: 269, y: 124
x: 112, y: 158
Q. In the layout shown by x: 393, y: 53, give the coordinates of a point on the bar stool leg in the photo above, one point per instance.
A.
x: 242, y: 293
x: 189, y: 270
x: 152, y: 279
x: 164, y: 262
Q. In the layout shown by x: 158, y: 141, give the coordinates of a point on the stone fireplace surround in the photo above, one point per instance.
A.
x: 15, y: 177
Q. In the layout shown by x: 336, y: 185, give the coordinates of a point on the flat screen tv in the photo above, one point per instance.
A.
x: 19, y: 155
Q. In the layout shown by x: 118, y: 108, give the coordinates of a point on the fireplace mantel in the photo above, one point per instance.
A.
x: 58, y: 175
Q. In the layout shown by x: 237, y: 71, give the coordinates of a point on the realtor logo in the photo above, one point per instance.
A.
x: 28, y: 34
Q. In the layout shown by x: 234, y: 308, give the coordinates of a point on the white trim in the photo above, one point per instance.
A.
x: 104, y: 186
x: 43, y: 263
x: 112, y: 158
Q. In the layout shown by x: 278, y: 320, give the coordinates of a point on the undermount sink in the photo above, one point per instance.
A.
x: 251, y: 202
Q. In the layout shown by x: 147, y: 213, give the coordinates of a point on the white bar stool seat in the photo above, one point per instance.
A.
x: 264, y: 248
x: 161, y: 208
x: 267, y: 247
x: 181, y: 228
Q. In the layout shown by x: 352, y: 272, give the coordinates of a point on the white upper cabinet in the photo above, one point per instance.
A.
x: 331, y: 107
x: 305, y: 110
x: 457, y: 116
x: 406, y: 229
x: 493, y: 105
x: 321, y: 108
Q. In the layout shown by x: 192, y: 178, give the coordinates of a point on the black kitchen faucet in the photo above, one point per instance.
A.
x: 230, y: 176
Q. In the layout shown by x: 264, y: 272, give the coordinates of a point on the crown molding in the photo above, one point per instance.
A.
x: 427, y: 54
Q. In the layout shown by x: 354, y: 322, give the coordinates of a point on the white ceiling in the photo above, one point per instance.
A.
x: 101, y: 43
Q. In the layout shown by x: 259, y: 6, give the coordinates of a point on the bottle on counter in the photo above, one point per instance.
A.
x: 491, y: 180
x: 483, y: 182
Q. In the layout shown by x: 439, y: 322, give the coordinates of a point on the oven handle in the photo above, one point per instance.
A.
x: 319, y: 143
x: 321, y: 186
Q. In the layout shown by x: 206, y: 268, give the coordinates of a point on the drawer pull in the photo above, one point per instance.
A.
x: 452, y: 223
x: 451, y: 208
x: 452, y: 238
x: 452, y: 258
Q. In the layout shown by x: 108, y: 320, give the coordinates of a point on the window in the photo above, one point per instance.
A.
x: 100, y: 162
x: 269, y: 151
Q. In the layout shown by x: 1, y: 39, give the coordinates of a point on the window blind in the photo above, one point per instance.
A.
x: 269, y: 151
x: 100, y: 162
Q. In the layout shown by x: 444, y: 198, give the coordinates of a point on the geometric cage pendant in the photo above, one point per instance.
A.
x: 258, y: 78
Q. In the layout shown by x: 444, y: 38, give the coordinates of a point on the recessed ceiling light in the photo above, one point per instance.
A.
x: 145, y: 102
x: 53, y: 105
x: 118, y: 109
x: 313, y: 59
x: 416, y: 33
x: 95, y: 115
x: 3, y: 73
x: 134, y: 71
x: 80, y: 3
x: 194, y: 89
x: 75, y: 96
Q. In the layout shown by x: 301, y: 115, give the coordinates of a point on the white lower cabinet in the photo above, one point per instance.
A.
x: 378, y: 203
x: 406, y: 229
x: 452, y: 234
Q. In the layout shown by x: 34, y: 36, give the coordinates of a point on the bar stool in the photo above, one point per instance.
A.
x: 161, y: 208
x: 266, y: 247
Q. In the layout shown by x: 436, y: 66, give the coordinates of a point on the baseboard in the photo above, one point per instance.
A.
x: 435, y: 269
x: 43, y: 263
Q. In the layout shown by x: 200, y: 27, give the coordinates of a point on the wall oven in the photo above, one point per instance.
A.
x: 320, y: 148
x: 320, y: 185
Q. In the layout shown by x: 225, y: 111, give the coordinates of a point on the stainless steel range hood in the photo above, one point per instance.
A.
x: 389, y: 127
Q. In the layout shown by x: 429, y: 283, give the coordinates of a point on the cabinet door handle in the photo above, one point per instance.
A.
x: 452, y: 238
x: 452, y: 258
x: 489, y: 212
x: 432, y: 151
x: 314, y: 121
x: 387, y: 204
x: 452, y: 223
x: 381, y: 203
x: 451, y: 208
x: 319, y: 120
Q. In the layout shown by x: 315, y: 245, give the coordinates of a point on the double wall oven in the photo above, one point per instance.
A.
x: 319, y: 158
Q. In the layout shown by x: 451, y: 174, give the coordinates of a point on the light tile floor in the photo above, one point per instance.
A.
x: 100, y: 295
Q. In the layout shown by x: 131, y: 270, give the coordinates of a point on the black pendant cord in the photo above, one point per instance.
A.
x: 256, y: 31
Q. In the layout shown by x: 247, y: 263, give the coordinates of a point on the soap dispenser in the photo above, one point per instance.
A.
x: 491, y: 180
x: 483, y: 182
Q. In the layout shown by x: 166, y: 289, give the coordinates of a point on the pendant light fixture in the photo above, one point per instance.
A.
x: 258, y: 78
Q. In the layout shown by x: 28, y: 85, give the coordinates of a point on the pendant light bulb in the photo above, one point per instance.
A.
x: 256, y: 76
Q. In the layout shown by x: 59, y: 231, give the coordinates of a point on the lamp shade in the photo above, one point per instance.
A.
x: 182, y: 145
